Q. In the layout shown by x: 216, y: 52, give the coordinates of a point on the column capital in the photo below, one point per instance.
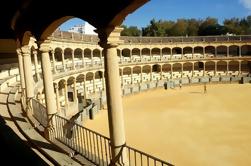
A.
x: 25, y: 50
x: 109, y: 37
x: 34, y: 52
x: 44, y: 46
x: 19, y: 51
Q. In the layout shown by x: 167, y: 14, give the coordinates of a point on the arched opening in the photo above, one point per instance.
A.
x: 188, y: 66
x: 176, y: 53
x: 146, y: 54
x: 177, y: 67
x: 210, y: 66
x: 233, y: 66
x: 187, y: 52
x: 246, y: 50
x: 58, y: 54
x: 78, y: 57
x: 87, y: 56
x: 136, y: 74
x: 221, y: 66
x: 198, y: 52
x: 166, y: 52
x: 70, y: 82
x: 221, y: 51
x: 210, y: 51
x: 96, y: 56
x: 234, y: 50
x: 136, y: 54
x: 245, y: 67
x: 156, y: 54
x: 126, y: 54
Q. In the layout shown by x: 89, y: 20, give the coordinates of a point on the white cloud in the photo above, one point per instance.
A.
x: 246, y: 4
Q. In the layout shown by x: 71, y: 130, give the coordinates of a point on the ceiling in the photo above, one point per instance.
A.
x: 42, y: 17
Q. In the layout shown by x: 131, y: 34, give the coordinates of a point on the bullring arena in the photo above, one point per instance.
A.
x: 167, y: 113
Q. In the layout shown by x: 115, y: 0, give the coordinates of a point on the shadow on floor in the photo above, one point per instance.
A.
x: 14, y: 151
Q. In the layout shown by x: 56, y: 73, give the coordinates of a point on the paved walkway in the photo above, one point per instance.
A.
x: 14, y: 147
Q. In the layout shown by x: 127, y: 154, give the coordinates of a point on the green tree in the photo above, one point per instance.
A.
x: 208, y: 26
x: 130, y: 31
x: 179, y: 28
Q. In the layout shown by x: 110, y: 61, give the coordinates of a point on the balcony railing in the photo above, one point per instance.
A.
x: 96, y: 147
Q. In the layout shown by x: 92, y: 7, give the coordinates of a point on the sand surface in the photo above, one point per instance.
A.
x: 187, y: 127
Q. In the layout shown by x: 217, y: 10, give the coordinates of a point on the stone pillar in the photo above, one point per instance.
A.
x: 54, y: 61
x: 215, y: 51
x: 94, y: 87
x: 227, y: 67
x: 140, y: 54
x: 83, y: 58
x: 227, y: 51
x: 239, y: 67
x: 161, y: 55
x: 131, y: 75
x: 21, y: 73
x: 28, y: 78
x: 151, y: 73
x: 50, y: 99
x: 121, y: 77
x: 192, y: 69
x: 161, y: 73
x: 57, y: 96
x: 131, y: 55
x: 182, y: 53
x: 204, y: 68
x: 36, y: 65
x: 75, y: 90
x: 66, y: 94
x: 215, y: 68
x: 84, y: 88
x: 103, y: 81
x: 182, y: 70
x: 204, y: 52
x: 109, y: 42
x: 171, y: 71
x: 171, y: 53
x: 240, y: 51
x: 193, y: 52
x: 63, y: 60
x: 72, y: 57
x: 141, y: 74
x: 92, y: 58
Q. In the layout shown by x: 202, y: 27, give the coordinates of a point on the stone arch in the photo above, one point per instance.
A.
x: 166, y: 68
x: 80, y: 78
x: 58, y: 54
x: 210, y: 66
x: 146, y: 69
x: 99, y: 74
x: 188, y: 66
x: 156, y: 68
x: 198, y: 50
x: 177, y: 67
x: 89, y: 76
x: 246, y: 66
x: 196, y: 66
x: 210, y: 51
x: 234, y: 50
x: 246, y: 50
x: 222, y: 66
x: 136, y: 70
x: 155, y: 51
x: 87, y: 53
x: 127, y: 71
x: 78, y: 53
x: 221, y: 51
x: 68, y: 54
x: 233, y: 66
x: 126, y: 52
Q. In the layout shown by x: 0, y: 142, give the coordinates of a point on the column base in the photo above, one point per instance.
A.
x: 49, y: 133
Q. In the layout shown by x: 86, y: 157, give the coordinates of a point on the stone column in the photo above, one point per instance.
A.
x: 215, y: 68
x: 21, y: 73
x: 215, y: 51
x: 204, y: 68
x: 193, y: 69
x: 92, y: 58
x: 151, y: 73
x: 54, y: 61
x: 72, y: 57
x: 63, y: 60
x: 227, y: 51
x: 84, y: 88
x: 204, y: 52
x: 140, y: 54
x: 240, y: 51
x: 109, y: 41
x: 161, y: 73
x: 171, y: 71
x: 131, y: 75
x: 122, y: 82
x: 50, y: 98
x: 171, y: 53
x: 57, y: 96
x: 131, y: 55
x: 239, y: 67
x: 193, y: 52
x: 94, y: 87
x: 36, y: 65
x: 66, y: 94
x: 161, y: 55
x: 75, y: 90
x: 227, y: 67
x: 182, y: 70
x: 28, y: 78
x: 103, y: 81
x: 141, y: 74
x: 83, y: 58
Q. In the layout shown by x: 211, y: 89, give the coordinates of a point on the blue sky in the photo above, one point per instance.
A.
x: 175, y: 9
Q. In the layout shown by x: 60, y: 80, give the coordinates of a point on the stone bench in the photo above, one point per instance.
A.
x: 50, y: 151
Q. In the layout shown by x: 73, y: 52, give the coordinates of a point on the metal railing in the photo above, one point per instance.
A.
x: 96, y: 147
x: 93, y: 39
x: 39, y: 112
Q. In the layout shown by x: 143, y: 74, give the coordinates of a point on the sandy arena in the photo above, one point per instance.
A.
x: 187, y: 127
